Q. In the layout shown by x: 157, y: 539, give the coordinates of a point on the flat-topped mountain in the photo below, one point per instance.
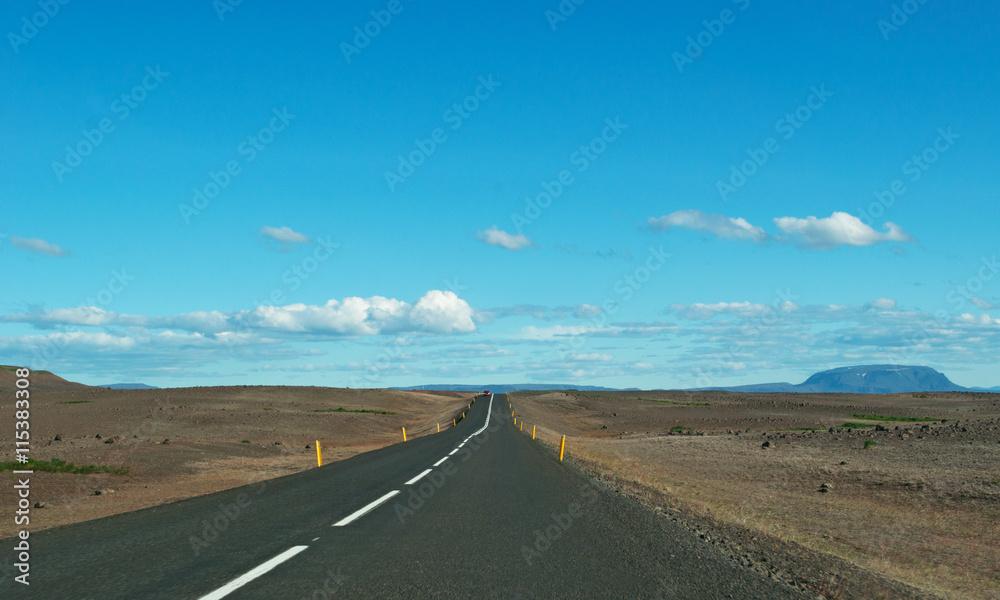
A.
x: 864, y: 379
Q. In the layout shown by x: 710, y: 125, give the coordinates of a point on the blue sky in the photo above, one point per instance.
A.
x: 662, y: 195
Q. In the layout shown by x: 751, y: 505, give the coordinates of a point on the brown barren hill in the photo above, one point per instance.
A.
x: 41, y: 381
x: 176, y: 443
x: 879, y: 489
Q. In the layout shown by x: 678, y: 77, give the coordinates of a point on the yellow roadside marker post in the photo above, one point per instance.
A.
x: 404, y: 434
x: 319, y: 455
x: 562, y: 447
x: 454, y: 422
x: 439, y: 428
x: 463, y: 414
x: 533, y: 431
x: 522, y: 425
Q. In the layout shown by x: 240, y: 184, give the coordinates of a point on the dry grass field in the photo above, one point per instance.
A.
x: 183, y: 442
x: 908, y: 490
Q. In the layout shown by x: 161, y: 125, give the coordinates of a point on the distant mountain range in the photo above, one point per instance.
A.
x: 503, y: 388
x: 129, y: 386
x: 865, y: 379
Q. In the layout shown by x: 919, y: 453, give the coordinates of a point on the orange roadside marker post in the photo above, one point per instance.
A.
x: 562, y: 447
x: 319, y: 455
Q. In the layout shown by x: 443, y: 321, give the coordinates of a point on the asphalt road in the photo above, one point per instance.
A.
x: 477, y: 511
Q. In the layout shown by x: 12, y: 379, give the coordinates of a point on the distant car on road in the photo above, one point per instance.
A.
x: 486, y: 393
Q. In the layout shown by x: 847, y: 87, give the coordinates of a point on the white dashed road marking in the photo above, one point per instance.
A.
x: 365, y: 510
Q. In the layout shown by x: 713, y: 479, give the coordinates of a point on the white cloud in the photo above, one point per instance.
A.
x: 532, y: 332
x: 592, y: 357
x: 700, y: 311
x: 205, y: 322
x: 435, y: 312
x: 881, y: 304
x: 983, y: 304
x: 585, y: 311
x: 84, y: 315
x: 719, y: 225
x: 497, y: 237
x: 443, y: 312
x: 839, y: 229
x: 285, y: 235
x: 743, y: 342
x: 38, y: 246
x: 476, y: 351
x: 618, y: 330
x: 351, y: 316
x: 981, y: 319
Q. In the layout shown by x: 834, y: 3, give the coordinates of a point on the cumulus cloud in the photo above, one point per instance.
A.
x: 881, y: 304
x: 839, y: 229
x: 435, y: 312
x: 442, y: 312
x: 350, y: 316
x: 497, y: 237
x: 38, y: 246
x: 285, y: 235
x: 719, y: 225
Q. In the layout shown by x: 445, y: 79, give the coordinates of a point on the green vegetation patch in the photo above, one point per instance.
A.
x: 76, y: 402
x: 680, y: 428
x: 60, y: 466
x: 802, y: 429
x: 675, y: 402
x: 899, y: 419
x: 869, y: 444
x: 344, y: 410
x: 853, y: 425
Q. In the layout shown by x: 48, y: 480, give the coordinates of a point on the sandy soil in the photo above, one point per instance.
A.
x: 184, y: 442
x: 919, y: 504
